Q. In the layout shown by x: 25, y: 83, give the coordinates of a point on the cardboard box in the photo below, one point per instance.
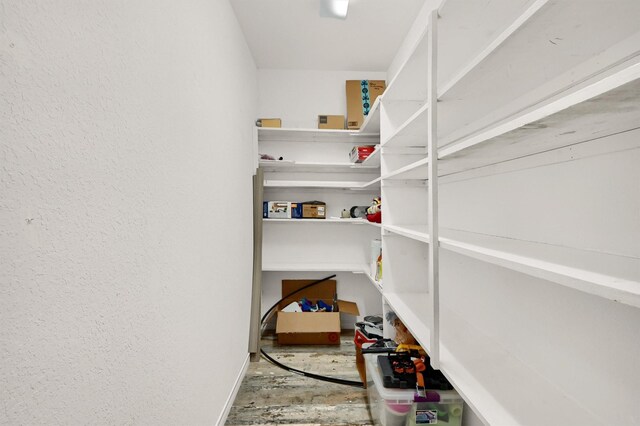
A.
x: 269, y: 122
x: 360, y: 153
x: 311, y: 328
x: 331, y: 122
x: 361, y: 94
x: 276, y: 210
x: 314, y: 210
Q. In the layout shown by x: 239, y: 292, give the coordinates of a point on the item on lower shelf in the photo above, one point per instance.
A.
x: 397, y: 407
x: 374, y: 212
x: 358, y: 211
x: 345, y: 214
x: 398, y: 370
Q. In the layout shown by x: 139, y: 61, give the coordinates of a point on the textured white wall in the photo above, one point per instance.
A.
x: 125, y: 210
x: 299, y: 96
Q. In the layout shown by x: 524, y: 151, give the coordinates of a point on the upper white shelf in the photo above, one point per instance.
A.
x: 350, y: 221
x: 274, y: 134
x: 547, y: 38
x: 470, y: 31
x: 410, y: 82
x: 418, y: 170
x: 315, y: 267
x: 590, y: 111
x: 348, y: 185
x: 305, y: 166
x: 609, y: 276
x: 413, y: 132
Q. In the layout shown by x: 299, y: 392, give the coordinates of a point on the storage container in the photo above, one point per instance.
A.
x: 395, y: 407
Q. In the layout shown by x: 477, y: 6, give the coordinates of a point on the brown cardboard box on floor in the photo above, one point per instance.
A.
x: 311, y: 328
x: 361, y: 94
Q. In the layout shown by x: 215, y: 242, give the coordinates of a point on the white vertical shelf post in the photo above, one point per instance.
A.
x: 432, y: 154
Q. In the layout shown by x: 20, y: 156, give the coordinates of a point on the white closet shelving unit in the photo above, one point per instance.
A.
x: 521, y: 161
x: 316, y: 166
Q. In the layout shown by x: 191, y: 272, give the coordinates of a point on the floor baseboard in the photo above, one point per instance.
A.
x: 234, y: 392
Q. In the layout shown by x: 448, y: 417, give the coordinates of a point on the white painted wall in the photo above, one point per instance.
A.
x: 299, y: 96
x: 125, y: 210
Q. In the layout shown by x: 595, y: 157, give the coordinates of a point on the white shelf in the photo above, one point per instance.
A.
x: 316, y: 135
x: 373, y: 160
x: 372, y: 122
x: 413, y: 132
x: 330, y: 220
x: 418, y: 170
x: 414, y: 232
x: 302, y: 166
x: 313, y: 267
x: 608, y: 106
x: 352, y: 185
x: 376, y: 284
x: 410, y: 83
x: 412, y: 309
x: 612, y: 277
x: 479, y: 28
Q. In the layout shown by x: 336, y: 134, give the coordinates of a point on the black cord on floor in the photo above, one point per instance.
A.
x: 294, y: 370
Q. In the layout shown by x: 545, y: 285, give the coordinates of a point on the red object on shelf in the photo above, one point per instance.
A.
x: 360, y: 153
x: 375, y: 218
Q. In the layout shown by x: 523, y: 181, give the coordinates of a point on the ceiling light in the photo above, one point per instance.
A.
x: 334, y: 8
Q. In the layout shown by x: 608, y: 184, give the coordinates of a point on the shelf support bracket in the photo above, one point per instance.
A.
x: 432, y: 154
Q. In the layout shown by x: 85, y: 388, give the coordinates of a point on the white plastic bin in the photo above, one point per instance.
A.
x: 395, y: 407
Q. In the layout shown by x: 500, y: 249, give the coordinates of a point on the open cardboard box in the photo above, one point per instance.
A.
x: 311, y: 328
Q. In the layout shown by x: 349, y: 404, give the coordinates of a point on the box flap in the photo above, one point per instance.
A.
x: 346, y: 307
x: 325, y: 290
x: 308, y: 322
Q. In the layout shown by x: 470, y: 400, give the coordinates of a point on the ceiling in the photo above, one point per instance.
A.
x: 290, y: 34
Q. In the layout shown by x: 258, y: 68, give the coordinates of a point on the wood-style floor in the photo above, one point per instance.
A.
x: 270, y: 395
